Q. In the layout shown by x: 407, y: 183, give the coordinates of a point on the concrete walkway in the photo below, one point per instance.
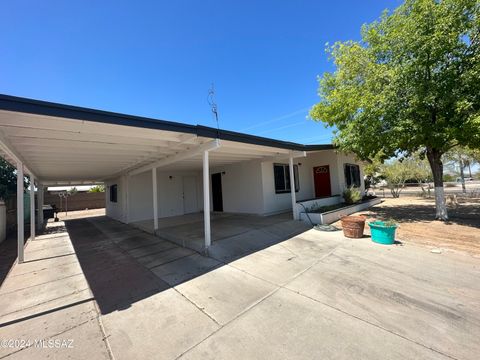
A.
x: 120, y: 293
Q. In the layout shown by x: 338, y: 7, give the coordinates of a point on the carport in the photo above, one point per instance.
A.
x: 57, y: 144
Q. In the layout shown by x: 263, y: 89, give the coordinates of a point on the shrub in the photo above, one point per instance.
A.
x: 352, y: 195
x: 449, y: 178
x: 97, y: 189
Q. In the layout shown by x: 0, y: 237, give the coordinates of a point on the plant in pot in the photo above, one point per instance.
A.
x: 352, y: 226
x: 383, y: 232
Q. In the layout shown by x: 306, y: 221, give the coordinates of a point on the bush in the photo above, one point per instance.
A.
x: 449, y: 178
x: 352, y: 195
x: 97, y: 189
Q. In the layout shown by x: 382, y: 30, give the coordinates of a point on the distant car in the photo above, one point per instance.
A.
x: 459, y: 179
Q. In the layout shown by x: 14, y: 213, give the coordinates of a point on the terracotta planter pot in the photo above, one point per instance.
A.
x: 353, y: 226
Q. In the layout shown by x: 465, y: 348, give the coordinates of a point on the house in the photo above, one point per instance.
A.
x: 156, y: 169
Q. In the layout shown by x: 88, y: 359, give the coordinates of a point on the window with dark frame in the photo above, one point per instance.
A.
x: 352, y: 175
x: 113, y: 193
x: 281, y: 174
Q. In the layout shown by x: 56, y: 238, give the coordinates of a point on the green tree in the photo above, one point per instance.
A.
x: 464, y: 157
x: 97, y: 188
x: 398, y: 171
x: 8, y: 180
x: 411, y: 84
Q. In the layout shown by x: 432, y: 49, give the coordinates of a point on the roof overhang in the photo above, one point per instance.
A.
x: 67, y: 144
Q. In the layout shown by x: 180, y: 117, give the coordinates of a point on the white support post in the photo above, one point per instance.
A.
x: 292, y: 187
x: 32, y: 207
x: 155, y: 199
x: 127, y: 199
x: 20, y: 214
x: 206, y: 199
x: 40, y: 198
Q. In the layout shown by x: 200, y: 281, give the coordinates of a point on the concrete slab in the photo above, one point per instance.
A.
x: 84, y: 341
x: 241, y: 245
x: 38, y: 294
x: 275, y: 264
x: 151, y: 249
x: 338, y: 298
x: 66, y: 250
x: 405, y: 299
x: 44, y: 324
x: 165, y: 256
x: 160, y: 327
x: 185, y: 268
x: 313, y: 243
x: 213, y: 291
x: 43, y: 276
x: 50, y: 264
x: 289, y: 326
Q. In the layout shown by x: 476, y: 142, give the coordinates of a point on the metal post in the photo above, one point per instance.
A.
x: 292, y: 188
x: 20, y: 214
x: 40, y: 198
x: 32, y: 207
x: 206, y: 199
x: 155, y: 199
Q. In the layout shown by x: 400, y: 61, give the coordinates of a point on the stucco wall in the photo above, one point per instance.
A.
x: 170, y: 195
x: 274, y: 203
x: 112, y: 209
x: 170, y: 188
x: 241, y: 187
x: 247, y: 187
x: 140, y: 201
x: 320, y: 158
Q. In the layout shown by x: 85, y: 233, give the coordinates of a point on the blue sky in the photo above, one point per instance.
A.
x: 158, y: 58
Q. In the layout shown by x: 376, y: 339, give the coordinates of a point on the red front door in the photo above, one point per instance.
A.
x: 321, y: 179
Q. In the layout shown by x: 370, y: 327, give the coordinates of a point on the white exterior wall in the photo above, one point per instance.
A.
x: 241, y: 187
x: 348, y: 159
x: 112, y: 209
x: 140, y: 199
x: 247, y: 187
x: 330, y: 158
x: 275, y: 203
x: 140, y: 202
x: 170, y: 188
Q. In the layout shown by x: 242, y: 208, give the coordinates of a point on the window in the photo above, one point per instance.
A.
x: 281, y: 173
x: 352, y: 175
x: 113, y: 193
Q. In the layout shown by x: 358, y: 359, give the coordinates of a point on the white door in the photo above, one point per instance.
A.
x: 190, y: 195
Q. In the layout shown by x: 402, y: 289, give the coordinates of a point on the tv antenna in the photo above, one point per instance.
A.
x: 212, y: 103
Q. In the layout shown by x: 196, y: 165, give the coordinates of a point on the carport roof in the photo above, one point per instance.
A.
x: 33, y: 129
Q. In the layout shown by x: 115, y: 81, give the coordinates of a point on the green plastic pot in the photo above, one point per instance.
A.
x: 382, y: 233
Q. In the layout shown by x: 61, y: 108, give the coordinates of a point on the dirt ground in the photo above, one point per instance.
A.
x: 80, y: 214
x: 415, y: 217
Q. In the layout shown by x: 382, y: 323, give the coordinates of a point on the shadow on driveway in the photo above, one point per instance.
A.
x: 124, y: 265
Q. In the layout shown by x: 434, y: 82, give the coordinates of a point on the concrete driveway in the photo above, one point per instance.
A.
x: 120, y: 293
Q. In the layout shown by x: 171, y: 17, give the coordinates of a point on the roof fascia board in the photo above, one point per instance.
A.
x: 37, y: 107
x: 209, y: 146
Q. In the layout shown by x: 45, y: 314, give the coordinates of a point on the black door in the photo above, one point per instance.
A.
x: 217, y: 192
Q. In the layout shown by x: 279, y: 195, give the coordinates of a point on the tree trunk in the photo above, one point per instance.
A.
x: 462, y: 175
x: 469, y: 170
x: 434, y: 157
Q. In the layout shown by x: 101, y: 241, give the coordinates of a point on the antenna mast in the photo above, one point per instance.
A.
x: 213, y: 104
